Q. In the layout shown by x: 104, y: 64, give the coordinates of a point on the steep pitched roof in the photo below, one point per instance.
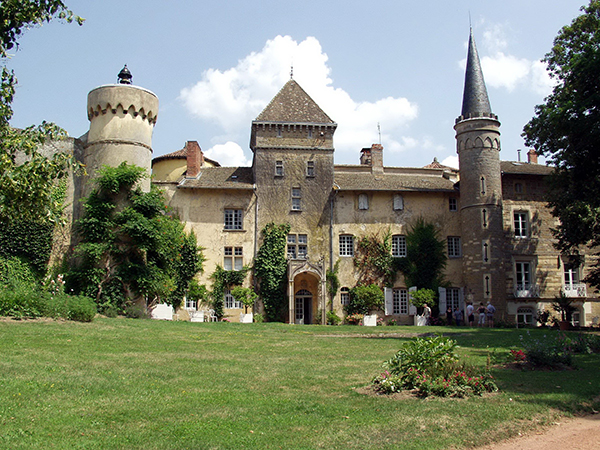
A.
x: 476, y: 102
x: 221, y: 178
x: 293, y: 105
x: 181, y: 154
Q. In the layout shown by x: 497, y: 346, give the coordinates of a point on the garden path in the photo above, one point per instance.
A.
x: 581, y: 433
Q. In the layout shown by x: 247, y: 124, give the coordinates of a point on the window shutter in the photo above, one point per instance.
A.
x: 389, y: 301
x: 442, y: 293
x: 412, y: 309
x: 461, y: 299
x: 398, y: 202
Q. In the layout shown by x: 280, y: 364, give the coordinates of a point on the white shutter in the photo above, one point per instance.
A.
x: 442, y: 293
x: 412, y: 309
x: 389, y: 301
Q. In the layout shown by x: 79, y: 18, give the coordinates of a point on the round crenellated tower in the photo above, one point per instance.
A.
x: 478, y: 146
x: 122, y: 119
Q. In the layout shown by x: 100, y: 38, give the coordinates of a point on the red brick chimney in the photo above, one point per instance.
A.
x: 532, y: 157
x: 195, y: 157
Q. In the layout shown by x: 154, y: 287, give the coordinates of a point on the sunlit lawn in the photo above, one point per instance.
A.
x: 124, y: 384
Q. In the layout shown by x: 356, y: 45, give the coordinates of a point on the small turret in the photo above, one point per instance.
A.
x: 122, y: 119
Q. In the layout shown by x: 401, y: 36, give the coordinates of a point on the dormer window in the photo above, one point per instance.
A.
x: 310, y: 169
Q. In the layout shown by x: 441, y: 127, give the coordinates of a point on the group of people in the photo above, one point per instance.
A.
x: 485, y: 315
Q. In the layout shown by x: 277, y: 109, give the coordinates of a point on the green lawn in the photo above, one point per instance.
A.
x: 129, y: 384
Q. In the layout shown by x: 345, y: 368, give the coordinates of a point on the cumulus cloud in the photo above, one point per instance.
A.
x: 505, y: 71
x: 228, y: 154
x: 232, y: 98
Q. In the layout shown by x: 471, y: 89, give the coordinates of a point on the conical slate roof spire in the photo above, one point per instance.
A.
x: 475, y: 98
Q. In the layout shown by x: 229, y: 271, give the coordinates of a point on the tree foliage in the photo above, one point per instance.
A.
x: 27, y: 178
x: 566, y: 129
x: 426, y: 258
x: 224, y: 279
x: 364, y: 299
x: 130, y: 246
x: 270, y: 267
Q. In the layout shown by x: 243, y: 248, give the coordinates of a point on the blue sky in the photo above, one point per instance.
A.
x: 216, y: 64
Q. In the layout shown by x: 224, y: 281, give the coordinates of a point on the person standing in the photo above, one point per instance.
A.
x: 449, y: 316
x: 481, y: 311
x: 458, y: 316
x: 427, y: 314
x: 489, y: 312
x: 470, y: 314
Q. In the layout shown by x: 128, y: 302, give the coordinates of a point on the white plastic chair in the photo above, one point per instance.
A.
x: 212, y: 317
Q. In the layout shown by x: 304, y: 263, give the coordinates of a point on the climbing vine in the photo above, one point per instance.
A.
x: 130, y: 246
x: 224, y: 279
x: 270, y: 267
x: 374, y: 260
x: 333, y: 281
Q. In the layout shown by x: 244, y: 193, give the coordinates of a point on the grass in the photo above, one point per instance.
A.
x: 123, y: 383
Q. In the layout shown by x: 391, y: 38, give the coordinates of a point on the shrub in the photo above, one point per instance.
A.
x: 80, y: 308
x: 549, y: 352
x: 14, y: 271
x: 333, y: 318
x: 22, y: 301
x: 363, y: 299
x: 258, y: 318
x: 136, y: 312
x: 431, y: 367
x: 354, y: 319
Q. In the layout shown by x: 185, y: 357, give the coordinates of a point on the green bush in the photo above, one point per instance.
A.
x: 431, y: 367
x: 258, y: 318
x: 80, y: 308
x: 14, y: 271
x: 364, y: 299
x: 136, y: 312
x: 333, y: 318
x: 551, y: 352
x: 22, y: 301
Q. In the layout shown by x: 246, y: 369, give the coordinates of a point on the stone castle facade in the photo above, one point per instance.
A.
x: 491, y: 213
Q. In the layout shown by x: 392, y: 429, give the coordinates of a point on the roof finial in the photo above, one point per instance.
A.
x: 124, y: 76
x: 292, y: 71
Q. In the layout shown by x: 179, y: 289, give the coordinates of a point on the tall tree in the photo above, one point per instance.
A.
x: 26, y: 186
x: 566, y: 129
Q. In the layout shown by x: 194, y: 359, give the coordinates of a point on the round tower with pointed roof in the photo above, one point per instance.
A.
x: 122, y: 119
x: 478, y: 147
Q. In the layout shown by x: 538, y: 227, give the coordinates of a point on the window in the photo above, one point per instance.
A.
x: 345, y: 296
x: 520, y: 221
x: 454, y: 250
x: 571, y: 274
x: 310, y: 168
x: 453, y: 204
x: 525, y: 316
x: 310, y: 133
x: 233, y: 258
x: 398, y: 246
x: 190, y: 304
x: 398, y: 202
x: 346, y: 245
x: 399, y: 301
x: 518, y: 188
x: 279, y: 131
x: 230, y: 301
x: 482, y: 185
x: 363, y: 201
x: 453, y: 298
x: 296, y: 199
x: 278, y: 168
x: 233, y: 219
x: 297, y: 246
x: 523, y: 272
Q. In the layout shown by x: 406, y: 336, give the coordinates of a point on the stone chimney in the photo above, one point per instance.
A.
x: 373, y: 157
x: 377, y: 158
x: 195, y: 157
x: 532, y: 157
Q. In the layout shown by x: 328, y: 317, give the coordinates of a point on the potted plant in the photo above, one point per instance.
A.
x: 564, y: 306
x: 419, y: 299
x: 247, y: 296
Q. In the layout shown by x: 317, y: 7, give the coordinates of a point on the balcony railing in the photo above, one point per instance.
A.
x: 527, y: 291
x: 574, y: 290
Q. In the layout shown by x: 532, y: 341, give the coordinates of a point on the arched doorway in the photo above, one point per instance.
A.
x: 303, y: 307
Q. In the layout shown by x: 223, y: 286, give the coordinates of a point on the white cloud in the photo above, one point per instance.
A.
x: 451, y: 161
x: 229, y: 154
x: 231, y: 99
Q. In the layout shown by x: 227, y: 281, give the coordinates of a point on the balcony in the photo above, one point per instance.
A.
x: 574, y: 290
x: 527, y: 291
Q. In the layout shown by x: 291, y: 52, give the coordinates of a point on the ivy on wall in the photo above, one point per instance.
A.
x: 131, y: 248
x: 374, y: 260
x: 224, y: 279
x: 270, y: 268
